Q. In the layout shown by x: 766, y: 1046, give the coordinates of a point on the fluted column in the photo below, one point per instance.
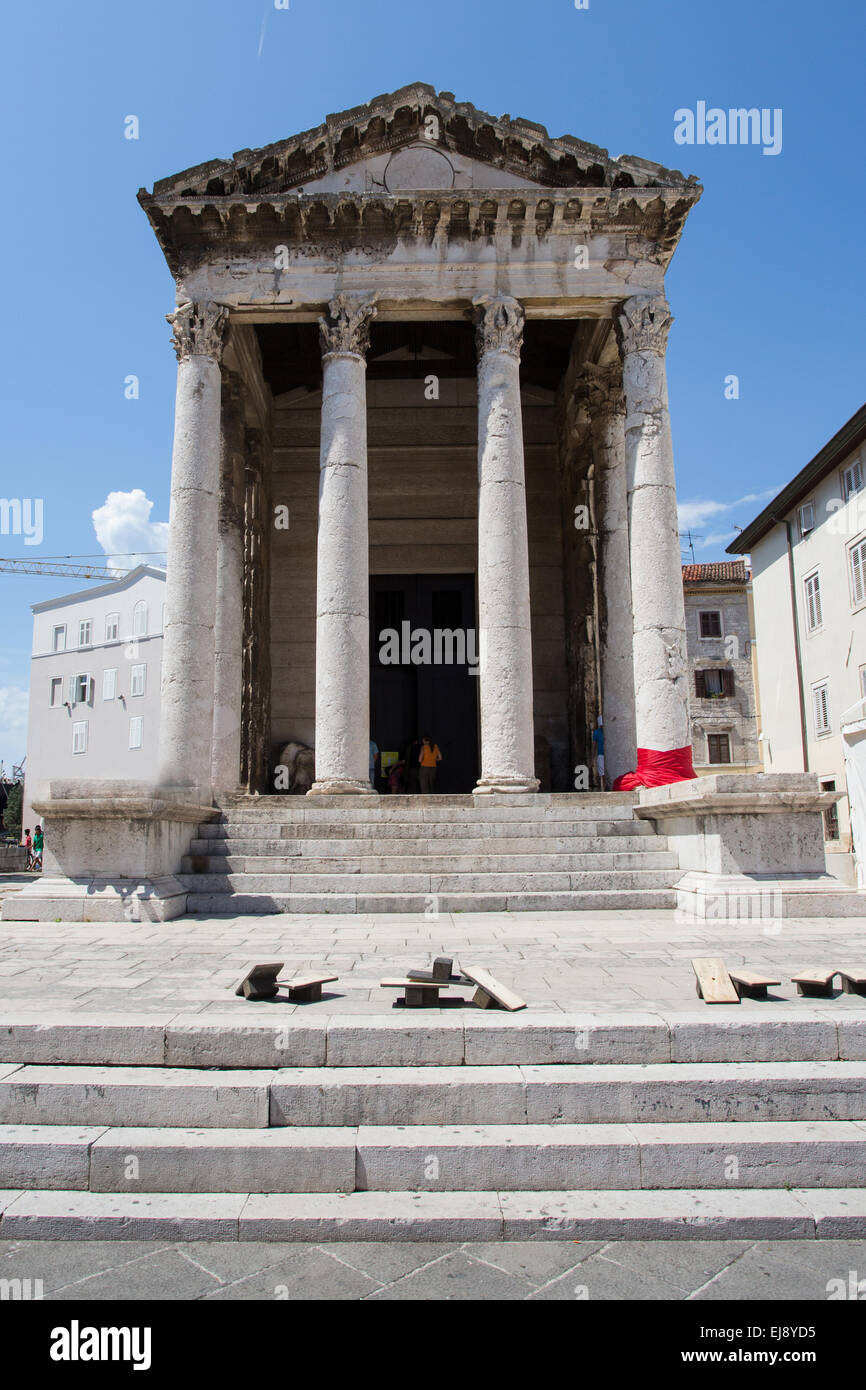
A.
x: 507, y: 734
x: 603, y: 387
x: 228, y: 631
x: 186, y: 716
x: 658, y: 609
x: 342, y: 578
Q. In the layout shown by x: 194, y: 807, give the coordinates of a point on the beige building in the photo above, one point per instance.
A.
x: 723, y: 703
x: 808, y: 556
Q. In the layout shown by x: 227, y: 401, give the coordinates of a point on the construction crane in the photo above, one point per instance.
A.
x: 52, y: 567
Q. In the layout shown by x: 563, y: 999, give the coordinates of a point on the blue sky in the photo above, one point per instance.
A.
x: 767, y: 283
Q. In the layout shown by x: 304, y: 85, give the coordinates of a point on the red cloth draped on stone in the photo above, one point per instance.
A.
x: 656, y: 769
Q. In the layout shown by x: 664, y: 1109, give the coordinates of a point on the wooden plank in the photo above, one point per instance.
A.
x: 261, y: 981
x: 854, y: 979
x: 503, y: 996
x: 815, y: 982
x: 714, y: 984
x: 303, y: 981
x: 417, y: 984
x: 751, y: 983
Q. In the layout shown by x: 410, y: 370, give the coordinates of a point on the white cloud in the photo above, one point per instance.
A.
x: 126, y: 533
x: 699, y: 511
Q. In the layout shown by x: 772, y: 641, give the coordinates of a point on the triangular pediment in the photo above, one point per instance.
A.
x: 415, y: 139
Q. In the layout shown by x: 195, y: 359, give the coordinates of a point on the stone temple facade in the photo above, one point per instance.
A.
x: 421, y: 389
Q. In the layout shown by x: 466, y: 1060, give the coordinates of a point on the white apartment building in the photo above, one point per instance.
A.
x: 95, y: 683
x: 720, y: 642
x: 808, y: 553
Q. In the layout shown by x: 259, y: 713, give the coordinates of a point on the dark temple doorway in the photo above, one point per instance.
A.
x: 423, y: 649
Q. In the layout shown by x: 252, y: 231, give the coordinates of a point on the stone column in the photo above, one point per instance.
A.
x: 603, y: 386
x: 228, y: 631
x: 659, y: 625
x: 507, y: 735
x: 186, y: 717
x: 342, y: 573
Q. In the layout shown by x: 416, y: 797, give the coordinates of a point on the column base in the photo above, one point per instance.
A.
x: 338, y: 786
x: 488, y: 786
x: 96, y: 899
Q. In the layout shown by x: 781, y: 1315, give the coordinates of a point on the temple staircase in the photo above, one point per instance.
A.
x: 546, y: 852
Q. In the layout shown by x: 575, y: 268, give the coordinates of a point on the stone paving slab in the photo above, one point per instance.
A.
x: 552, y: 1270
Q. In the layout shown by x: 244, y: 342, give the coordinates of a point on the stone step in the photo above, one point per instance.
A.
x: 594, y: 1094
x: 445, y: 829
x: 254, y: 862
x: 260, y: 904
x: 480, y: 881
x: 96, y: 1053
x: 381, y: 814
x: 586, y: 846
x: 703, y: 1214
x: 337, y: 1096
x: 437, y: 1158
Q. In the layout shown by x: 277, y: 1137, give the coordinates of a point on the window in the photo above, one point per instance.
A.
x: 719, y: 748
x: 85, y: 632
x: 831, y: 814
x: 80, y: 690
x: 711, y: 623
x: 852, y: 479
x: 821, y: 708
x: 79, y: 737
x: 814, y: 616
x: 59, y: 643
x: 139, y: 619
x: 135, y: 732
x: 137, y: 679
x: 56, y: 691
x: 857, y: 571
x: 863, y: 682
x: 112, y: 626
x: 807, y: 519
x: 109, y: 684
x: 714, y: 685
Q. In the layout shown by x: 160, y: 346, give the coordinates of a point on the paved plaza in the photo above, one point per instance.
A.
x: 557, y: 961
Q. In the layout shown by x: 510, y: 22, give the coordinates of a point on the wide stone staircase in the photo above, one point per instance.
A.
x: 417, y: 853
x: 460, y: 1126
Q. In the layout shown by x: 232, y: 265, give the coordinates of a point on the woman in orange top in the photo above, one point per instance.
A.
x: 427, y: 762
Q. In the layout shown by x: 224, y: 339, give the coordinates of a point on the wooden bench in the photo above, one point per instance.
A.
x: 815, y: 983
x: 261, y: 982
x: 713, y: 983
x: 854, y: 979
x: 751, y: 983
x: 489, y: 993
x: 417, y: 994
x: 306, y: 989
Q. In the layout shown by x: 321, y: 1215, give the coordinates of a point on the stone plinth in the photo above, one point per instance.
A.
x: 750, y: 846
x: 112, y: 850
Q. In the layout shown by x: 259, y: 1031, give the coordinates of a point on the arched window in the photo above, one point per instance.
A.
x: 139, y: 619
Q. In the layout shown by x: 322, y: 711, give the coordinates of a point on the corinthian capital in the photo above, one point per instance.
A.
x: 601, y: 387
x: 198, y: 330
x: 644, y: 324
x: 499, y: 323
x: 346, y: 325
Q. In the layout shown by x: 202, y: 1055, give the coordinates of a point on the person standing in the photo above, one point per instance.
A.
x: 374, y: 758
x: 428, y: 761
x: 38, y: 845
x: 28, y: 845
